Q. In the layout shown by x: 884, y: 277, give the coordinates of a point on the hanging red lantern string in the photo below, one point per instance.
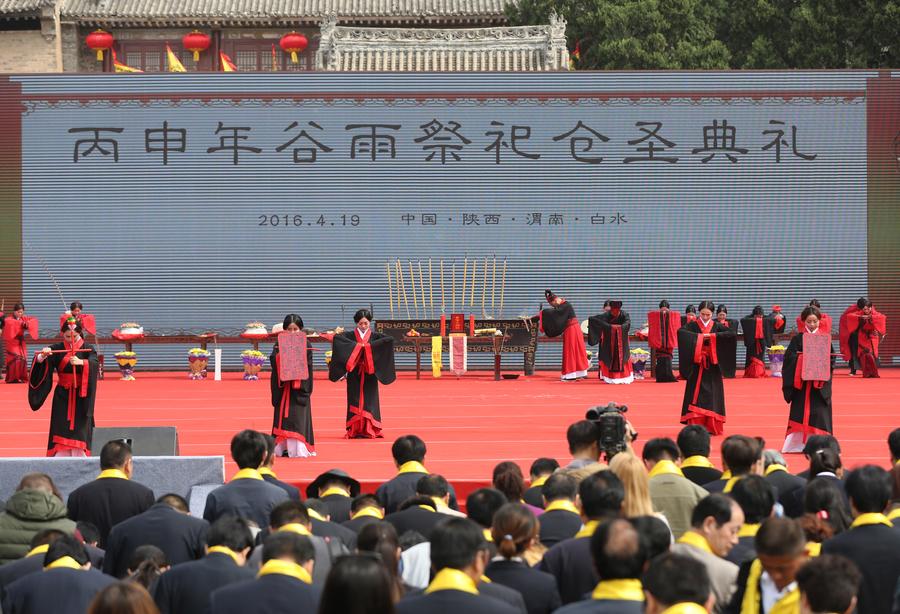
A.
x: 293, y: 43
x: 99, y: 41
x: 196, y: 41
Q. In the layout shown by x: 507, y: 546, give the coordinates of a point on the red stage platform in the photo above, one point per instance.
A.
x: 470, y: 424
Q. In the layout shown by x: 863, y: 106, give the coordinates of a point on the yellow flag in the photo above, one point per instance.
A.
x: 172, y: 60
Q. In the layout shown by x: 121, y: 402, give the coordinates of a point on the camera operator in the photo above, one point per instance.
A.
x: 604, y: 432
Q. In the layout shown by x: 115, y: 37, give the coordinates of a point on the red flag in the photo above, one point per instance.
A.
x: 227, y: 64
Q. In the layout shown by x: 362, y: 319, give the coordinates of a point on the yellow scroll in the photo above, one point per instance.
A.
x: 437, y: 349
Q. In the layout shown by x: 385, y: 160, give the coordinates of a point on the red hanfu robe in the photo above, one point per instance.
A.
x: 16, y: 350
x: 860, y: 336
x: 72, y: 417
x: 561, y: 320
x: 365, y: 360
x: 704, y: 394
x: 759, y: 334
x: 810, y: 400
x: 292, y: 402
x: 614, y: 356
x: 663, y: 338
x: 87, y: 321
x: 824, y: 324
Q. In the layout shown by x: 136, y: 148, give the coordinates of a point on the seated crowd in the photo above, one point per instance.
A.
x: 666, y: 532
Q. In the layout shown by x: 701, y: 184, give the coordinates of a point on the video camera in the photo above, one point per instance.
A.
x: 613, y: 430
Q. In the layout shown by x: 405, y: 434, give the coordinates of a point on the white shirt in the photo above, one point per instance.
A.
x: 362, y: 333
x: 769, y: 593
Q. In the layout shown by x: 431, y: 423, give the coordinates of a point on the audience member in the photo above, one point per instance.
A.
x: 777, y: 474
x: 145, y: 566
x: 677, y: 584
x: 715, y: 524
x: 584, y: 446
x: 113, y: 496
x: 409, y: 455
x: 815, y: 443
x: 89, y: 535
x: 65, y: 586
x: 380, y: 539
x: 168, y: 524
x: 757, y: 500
x: 247, y: 495
x: 359, y: 584
x: 894, y: 446
x: 284, y: 582
x: 417, y: 514
x: 824, y: 514
x: 35, y: 506
x: 336, y: 489
x: 481, y: 506
x: 293, y: 517
x: 561, y: 519
x: 601, y: 495
x: 871, y: 543
x: 514, y: 531
x: 123, y: 598
x: 508, y: 479
x: 364, y: 509
x: 267, y: 471
x: 541, y: 469
x: 894, y: 508
x: 741, y: 456
x: 655, y: 533
x: 322, y: 526
x: 32, y: 561
x: 634, y: 478
x: 694, y: 446
x: 828, y: 584
x: 671, y: 492
x: 186, y: 588
x: 437, y: 489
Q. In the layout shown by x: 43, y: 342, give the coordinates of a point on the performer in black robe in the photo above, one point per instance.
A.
x: 365, y: 358
x: 690, y: 314
x: 663, y: 338
x: 292, y: 425
x: 759, y: 334
x: 704, y: 394
x: 810, y: 401
x: 72, y: 417
x: 727, y: 345
x: 610, y: 330
x: 560, y: 319
x: 779, y: 322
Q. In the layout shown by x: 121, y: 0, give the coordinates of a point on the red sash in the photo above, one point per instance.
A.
x: 75, y: 383
x: 361, y: 358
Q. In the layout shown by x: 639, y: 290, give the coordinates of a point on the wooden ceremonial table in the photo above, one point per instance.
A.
x: 494, y: 342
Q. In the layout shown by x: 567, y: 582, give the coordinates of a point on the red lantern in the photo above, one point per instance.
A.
x: 99, y: 41
x: 196, y: 41
x: 293, y: 43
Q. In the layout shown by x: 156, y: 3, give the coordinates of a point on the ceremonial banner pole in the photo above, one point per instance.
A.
x: 387, y: 266
x: 494, y: 287
x: 443, y: 304
x: 431, y: 286
x: 484, y: 289
x: 403, y: 286
x: 453, y: 286
x: 422, y: 286
x: 412, y: 283
x: 462, y: 303
x: 474, y: 272
x: 502, y: 287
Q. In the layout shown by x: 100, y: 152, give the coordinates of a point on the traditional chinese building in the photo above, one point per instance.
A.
x: 346, y: 35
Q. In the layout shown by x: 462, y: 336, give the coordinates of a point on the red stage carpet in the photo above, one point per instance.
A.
x: 469, y: 424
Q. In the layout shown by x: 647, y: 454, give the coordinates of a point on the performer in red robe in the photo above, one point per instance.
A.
x: 663, y: 338
x: 610, y: 330
x: 861, y: 329
x: 292, y: 425
x: 727, y: 347
x: 759, y: 334
x: 690, y: 314
x: 560, y: 319
x: 72, y: 417
x: 824, y: 321
x: 704, y: 394
x: 76, y: 310
x: 810, y: 400
x: 779, y: 322
x: 14, y: 328
x: 364, y: 358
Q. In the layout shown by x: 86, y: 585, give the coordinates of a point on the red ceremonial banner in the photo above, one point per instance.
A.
x: 292, y: 350
x: 816, y: 358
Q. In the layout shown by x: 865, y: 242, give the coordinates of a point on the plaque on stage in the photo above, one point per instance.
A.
x: 816, y: 358
x: 292, y: 350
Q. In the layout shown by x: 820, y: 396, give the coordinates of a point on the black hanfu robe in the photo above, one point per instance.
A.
x: 810, y: 401
x: 72, y: 417
x: 759, y: 334
x: 292, y: 403
x: 704, y: 394
x: 727, y: 348
x: 663, y: 338
x: 365, y: 360
x: 559, y: 320
x: 614, y: 357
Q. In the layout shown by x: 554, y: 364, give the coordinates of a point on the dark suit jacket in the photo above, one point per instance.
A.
x: 269, y: 594
x: 570, y: 563
x: 507, y: 595
x: 247, y: 498
x: 716, y: 486
x: 538, y: 588
x: 701, y: 475
x: 534, y: 496
x: 400, y: 488
x: 331, y: 530
x: 876, y: 551
x: 356, y: 524
x: 557, y: 525
x: 338, y: 507
x: 453, y: 602
x: 108, y: 501
x: 180, y: 536
x: 292, y: 491
x: 60, y: 591
x: 793, y: 501
x: 790, y: 491
x: 603, y: 606
x: 11, y: 572
x: 416, y: 519
x: 745, y: 550
x: 186, y: 588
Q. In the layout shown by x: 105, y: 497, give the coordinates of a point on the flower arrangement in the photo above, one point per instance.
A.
x: 255, y: 325
x: 126, y: 362
x: 253, y: 362
x: 255, y: 330
x: 198, y: 359
x: 776, y: 359
x: 639, y: 358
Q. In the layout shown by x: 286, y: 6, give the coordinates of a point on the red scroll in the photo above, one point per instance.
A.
x: 292, y: 364
x: 816, y: 358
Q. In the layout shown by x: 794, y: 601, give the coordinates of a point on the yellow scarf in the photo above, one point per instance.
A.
x: 42, y: 549
x: 697, y: 461
x: 726, y: 475
x: 224, y: 550
x: 813, y: 549
x: 539, y: 481
x: 247, y: 474
x: 294, y: 527
x: 588, y: 529
x: 373, y: 512
x: 871, y: 518
x: 315, y: 515
x: 334, y: 490
x: 775, y: 467
x: 748, y: 530
x: 437, y: 350
x: 685, y: 608
x: 696, y: 540
x: 620, y: 590
x: 284, y: 568
x: 894, y: 514
x: 665, y: 467
x: 729, y: 485
x: 789, y: 604
x: 487, y: 536
x: 412, y: 467
x: 267, y: 471
x: 65, y: 561
x: 562, y: 504
x: 449, y: 579
x: 112, y: 473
